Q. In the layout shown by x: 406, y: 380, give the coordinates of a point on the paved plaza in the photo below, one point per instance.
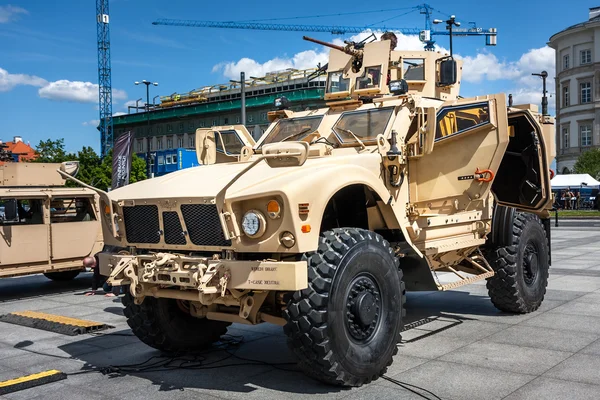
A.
x: 460, y: 348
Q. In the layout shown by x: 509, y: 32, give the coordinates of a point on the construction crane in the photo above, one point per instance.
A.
x: 105, y: 125
x: 425, y: 35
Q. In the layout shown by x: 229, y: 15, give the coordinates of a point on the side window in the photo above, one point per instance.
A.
x: 364, y: 124
x: 71, y: 209
x: 337, y: 83
x: 459, y: 119
x: 414, y: 69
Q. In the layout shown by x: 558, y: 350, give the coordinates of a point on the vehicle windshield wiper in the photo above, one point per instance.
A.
x: 293, y: 135
x: 354, y: 136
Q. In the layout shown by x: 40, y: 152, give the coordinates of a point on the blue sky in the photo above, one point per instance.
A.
x: 48, y: 52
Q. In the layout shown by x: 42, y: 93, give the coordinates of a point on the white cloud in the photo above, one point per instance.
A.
x: 93, y: 122
x: 76, y: 91
x: 8, y: 81
x: 131, y: 103
x: 10, y: 13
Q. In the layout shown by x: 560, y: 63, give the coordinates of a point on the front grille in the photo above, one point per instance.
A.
x: 141, y: 224
x: 203, y: 225
x: 173, y: 230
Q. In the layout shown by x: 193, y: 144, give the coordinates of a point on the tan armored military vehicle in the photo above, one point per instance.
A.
x: 322, y: 224
x: 45, y: 227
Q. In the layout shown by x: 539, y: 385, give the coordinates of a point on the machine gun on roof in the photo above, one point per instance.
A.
x: 352, y: 48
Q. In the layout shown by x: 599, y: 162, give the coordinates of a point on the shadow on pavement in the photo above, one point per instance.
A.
x: 28, y: 287
x: 244, y: 367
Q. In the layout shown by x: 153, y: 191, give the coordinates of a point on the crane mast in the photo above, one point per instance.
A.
x: 105, y: 125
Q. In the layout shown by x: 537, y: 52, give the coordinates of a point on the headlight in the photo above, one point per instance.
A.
x: 254, y: 224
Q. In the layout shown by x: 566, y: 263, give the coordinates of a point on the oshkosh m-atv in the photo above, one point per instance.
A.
x: 323, y: 223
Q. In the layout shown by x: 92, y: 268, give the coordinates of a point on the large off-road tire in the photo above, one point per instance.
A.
x: 522, y: 267
x: 63, y: 276
x: 164, y: 325
x: 345, y: 327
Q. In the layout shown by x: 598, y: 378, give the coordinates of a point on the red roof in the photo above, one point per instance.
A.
x: 23, y: 150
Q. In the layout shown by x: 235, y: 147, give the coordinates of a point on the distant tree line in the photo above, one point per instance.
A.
x: 92, y: 170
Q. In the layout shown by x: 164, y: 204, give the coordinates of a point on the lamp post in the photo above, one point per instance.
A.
x: 148, y: 155
x: 544, y: 75
x: 449, y: 24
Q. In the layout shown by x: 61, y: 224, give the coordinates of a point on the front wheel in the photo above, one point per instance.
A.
x: 346, y: 325
x: 521, y: 268
x: 63, y: 276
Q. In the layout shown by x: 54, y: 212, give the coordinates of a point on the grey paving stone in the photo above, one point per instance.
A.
x: 384, y: 392
x: 28, y: 305
x: 433, y: 346
x: 544, y: 338
x: 474, y: 329
x: 583, y: 368
x: 458, y: 381
x: 593, y: 297
x: 555, y: 389
x: 403, y: 362
x: 565, y: 295
x: 593, y: 348
x: 579, y: 308
x: 568, y: 322
x: 577, y: 283
x: 507, y: 357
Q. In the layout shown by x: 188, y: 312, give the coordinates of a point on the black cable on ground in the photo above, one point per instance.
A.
x: 405, y: 385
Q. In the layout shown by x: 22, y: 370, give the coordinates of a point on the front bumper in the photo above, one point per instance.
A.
x: 203, y: 274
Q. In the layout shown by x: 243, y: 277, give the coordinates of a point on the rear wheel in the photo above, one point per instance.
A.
x: 62, y: 276
x: 522, y: 268
x: 166, y: 325
x: 346, y: 325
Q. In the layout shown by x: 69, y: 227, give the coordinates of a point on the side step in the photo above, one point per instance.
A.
x: 476, y: 265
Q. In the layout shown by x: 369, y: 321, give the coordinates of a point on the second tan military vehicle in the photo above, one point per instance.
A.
x: 46, y: 227
x: 320, y: 226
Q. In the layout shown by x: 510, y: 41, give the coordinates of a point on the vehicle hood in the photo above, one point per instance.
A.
x: 208, y: 180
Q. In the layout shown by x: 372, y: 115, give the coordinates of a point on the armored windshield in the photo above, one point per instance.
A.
x: 366, y: 125
x: 293, y: 129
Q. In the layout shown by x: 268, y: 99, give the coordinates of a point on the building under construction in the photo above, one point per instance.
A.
x: 174, y: 120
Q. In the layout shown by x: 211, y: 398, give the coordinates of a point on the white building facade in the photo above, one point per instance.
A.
x: 577, y: 90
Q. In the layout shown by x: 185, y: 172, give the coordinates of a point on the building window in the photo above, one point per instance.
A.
x: 200, y: 124
x: 226, y: 121
x: 191, y: 126
x: 586, y: 56
x: 169, y: 142
x: 565, y: 136
x: 159, y: 129
x: 169, y: 159
x: 263, y: 116
x: 140, y: 146
x: 566, y: 95
x: 585, y: 134
x: 169, y: 128
x: 181, y: 127
x: 250, y: 118
x: 179, y: 141
x: 192, y: 141
x: 214, y: 122
x: 566, y: 62
x: 159, y: 144
x: 586, y: 92
x: 237, y: 119
x: 150, y: 144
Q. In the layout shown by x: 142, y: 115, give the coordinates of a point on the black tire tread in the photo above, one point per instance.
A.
x: 306, y: 313
x: 62, y: 276
x: 503, y: 287
x: 147, y: 325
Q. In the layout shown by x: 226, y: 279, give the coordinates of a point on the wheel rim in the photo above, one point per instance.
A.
x: 530, y: 264
x: 363, y: 308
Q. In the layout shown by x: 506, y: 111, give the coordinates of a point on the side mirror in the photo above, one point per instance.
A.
x: 70, y: 167
x: 447, y: 72
x: 11, y: 213
x: 206, y: 146
x: 430, y: 130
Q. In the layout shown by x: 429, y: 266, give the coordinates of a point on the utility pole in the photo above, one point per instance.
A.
x: 243, y: 96
x: 544, y: 75
x: 148, y: 154
x: 449, y: 24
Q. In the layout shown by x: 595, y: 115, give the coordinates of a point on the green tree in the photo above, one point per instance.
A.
x: 52, y: 151
x: 104, y: 172
x: 589, y: 163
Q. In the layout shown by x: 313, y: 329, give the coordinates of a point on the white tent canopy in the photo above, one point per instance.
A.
x: 573, y: 181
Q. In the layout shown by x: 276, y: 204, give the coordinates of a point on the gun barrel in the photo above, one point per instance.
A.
x: 317, y: 41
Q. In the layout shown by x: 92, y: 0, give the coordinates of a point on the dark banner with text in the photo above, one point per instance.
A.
x: 121, y: 163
